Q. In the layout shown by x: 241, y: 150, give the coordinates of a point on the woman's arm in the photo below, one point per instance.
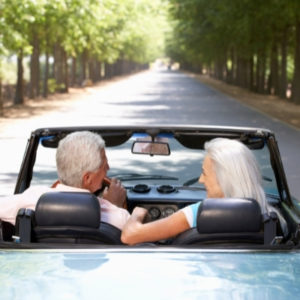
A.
x: 135, y: 232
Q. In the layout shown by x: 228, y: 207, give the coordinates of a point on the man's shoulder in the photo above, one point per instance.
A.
x: 37, y: 189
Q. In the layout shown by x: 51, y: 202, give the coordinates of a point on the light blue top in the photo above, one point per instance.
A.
x: 190, y: 212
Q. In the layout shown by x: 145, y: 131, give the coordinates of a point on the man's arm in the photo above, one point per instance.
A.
x: 135, y: 232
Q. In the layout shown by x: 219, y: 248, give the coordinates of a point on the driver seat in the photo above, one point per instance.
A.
x: 225, y: 221
x: 66, y: 217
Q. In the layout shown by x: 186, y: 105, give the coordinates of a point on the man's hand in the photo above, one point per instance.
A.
x: 139, y: 214
x: 115, y: 193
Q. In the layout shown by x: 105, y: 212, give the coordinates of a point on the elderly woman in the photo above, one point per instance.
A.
x: 229, y: 170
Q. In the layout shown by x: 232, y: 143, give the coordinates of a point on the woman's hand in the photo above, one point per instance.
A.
x: 131, y: 231
x: 135, y: 232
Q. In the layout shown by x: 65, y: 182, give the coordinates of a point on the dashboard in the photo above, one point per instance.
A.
x: 162, y: 200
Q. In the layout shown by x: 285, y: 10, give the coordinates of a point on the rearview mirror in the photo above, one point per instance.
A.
x: 150, y: 148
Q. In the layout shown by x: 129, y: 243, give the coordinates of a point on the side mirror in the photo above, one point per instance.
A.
x: 150, y: 148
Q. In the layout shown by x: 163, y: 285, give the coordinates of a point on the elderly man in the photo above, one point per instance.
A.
x: 81, y: 167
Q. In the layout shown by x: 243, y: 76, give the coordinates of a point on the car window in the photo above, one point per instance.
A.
x: 269, y: 181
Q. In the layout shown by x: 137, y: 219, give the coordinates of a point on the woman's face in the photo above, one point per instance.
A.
x: 209, y: 179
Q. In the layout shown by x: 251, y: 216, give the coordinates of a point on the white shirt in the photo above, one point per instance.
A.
x: 10, y: 205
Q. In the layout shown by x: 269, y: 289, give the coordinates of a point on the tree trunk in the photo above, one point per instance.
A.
x: 83, y: 66
x: 240, y: 72
x: 119, y: 68
x: 246, y: 73
x: 47, y: 69
x: 234, y: 67
x: 108, y: 71
x: 37, y: 67
x: 34, y: 86
x: 59, y: 68
x: 73, y: 71
x: 52, y: 72
x: 257, y: 73
x: 219, y: 66
x: 127, y: 67
x: 283, y: 65
x: 65, y: 71
x: 19, y: 96
x: 105, y: 71
x: 91, y: 68
x: 260, y: 73
x: 114, y: 69
x: 200, y: 68
x: 46, y: 76
x: 229, y: 71
x: 1, y: 99
x: 296, y: 77
x: 273, y: 86
x: 251, y: 74
x: 32, y: 83
x: 97, y: 71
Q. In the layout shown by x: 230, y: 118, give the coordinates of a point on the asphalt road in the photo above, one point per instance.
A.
x: 154, y: 97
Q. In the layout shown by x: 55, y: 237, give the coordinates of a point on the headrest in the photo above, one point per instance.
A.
x: 68, y: 209
x: 227, y: 215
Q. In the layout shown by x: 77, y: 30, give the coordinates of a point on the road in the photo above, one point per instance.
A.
x: 151, y: 97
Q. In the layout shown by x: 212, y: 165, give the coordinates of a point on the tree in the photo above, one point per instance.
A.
x: 17, y: 16
x: 296, y: 75
x: 122, y: 34
x: 244, y: 42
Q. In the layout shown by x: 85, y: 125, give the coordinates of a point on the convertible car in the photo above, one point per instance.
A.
x: 62, y: 250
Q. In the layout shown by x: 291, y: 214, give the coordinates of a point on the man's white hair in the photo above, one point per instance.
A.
x: 77, y: 153
x: 238, y: 173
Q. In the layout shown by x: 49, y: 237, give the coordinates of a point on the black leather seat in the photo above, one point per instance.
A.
x: 66, y: 217
x: 7, y: 230
x: 225, y: 221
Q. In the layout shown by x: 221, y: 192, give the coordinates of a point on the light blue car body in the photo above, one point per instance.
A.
x: 157, y: 272
x: 149, y: 274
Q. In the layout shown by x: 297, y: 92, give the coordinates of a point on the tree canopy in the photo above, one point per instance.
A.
x: 252, y: 43
x: 89, y: 31
x: 245, y: 42
x: 104, y: 28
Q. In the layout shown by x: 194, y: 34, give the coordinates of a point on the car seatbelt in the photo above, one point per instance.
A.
x: 24, y: 224
x: 270, y: 224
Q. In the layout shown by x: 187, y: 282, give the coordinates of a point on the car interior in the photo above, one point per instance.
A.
x: 66, y: 219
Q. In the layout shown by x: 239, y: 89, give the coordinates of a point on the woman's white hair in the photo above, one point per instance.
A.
x: 77, y: 153
x: 238, y: 173
x: 236, y: 170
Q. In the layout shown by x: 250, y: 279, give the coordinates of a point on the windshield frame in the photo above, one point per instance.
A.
x: 116, y: 135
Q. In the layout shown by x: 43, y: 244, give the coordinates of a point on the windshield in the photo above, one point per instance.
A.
x: 181, y: 168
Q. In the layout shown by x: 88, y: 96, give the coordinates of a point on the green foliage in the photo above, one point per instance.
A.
x: 107, y: 29
x: 143, y: 34
x: 52, y: 86
x: 207, y: 31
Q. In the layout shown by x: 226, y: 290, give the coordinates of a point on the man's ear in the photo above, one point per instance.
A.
x: 86, y: 180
